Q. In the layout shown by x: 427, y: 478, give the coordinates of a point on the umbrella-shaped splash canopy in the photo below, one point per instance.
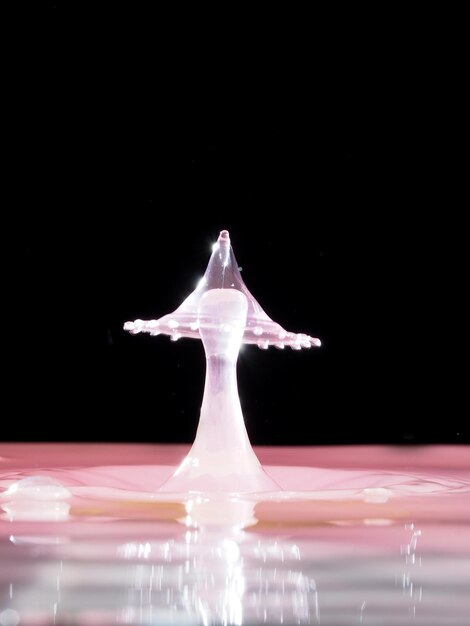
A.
x: 222, y: 273
x: 223, y: 314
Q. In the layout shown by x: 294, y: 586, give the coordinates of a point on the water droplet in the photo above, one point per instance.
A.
x: 258, y: 330
x: 37, y: 488
x: 173, y: 324
x: 153, y: 327
x: 175, y: 336
x: 194, y: 325
x: 264, y: 344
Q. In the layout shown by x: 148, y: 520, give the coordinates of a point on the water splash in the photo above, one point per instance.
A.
x: 223, y: 314
x: 223, y: 273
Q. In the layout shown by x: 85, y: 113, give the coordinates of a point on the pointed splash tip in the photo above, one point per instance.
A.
x: 224, y: 237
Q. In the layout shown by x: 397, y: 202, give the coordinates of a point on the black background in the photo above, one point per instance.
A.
x: 326, y: 146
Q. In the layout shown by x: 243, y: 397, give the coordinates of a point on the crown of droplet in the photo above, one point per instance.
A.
x: 223, y: 273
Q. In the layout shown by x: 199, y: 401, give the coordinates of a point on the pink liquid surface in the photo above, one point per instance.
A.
x: 358, y: 535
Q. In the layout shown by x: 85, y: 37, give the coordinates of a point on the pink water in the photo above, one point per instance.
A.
x: 357, y: 535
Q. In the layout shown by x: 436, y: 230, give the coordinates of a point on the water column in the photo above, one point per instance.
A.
x: 221, y: 457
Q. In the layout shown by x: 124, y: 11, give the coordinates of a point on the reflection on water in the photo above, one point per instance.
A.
x: 367, y: 555
x: 206, y: 573
x: 339, y: 575
x: 223, y: 583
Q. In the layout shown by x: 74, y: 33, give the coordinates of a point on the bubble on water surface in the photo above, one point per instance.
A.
x: 37, y: 488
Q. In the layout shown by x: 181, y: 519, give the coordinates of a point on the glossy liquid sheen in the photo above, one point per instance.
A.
x: 223, y: 314
x: 224, y: 534
x: 354, y: 535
